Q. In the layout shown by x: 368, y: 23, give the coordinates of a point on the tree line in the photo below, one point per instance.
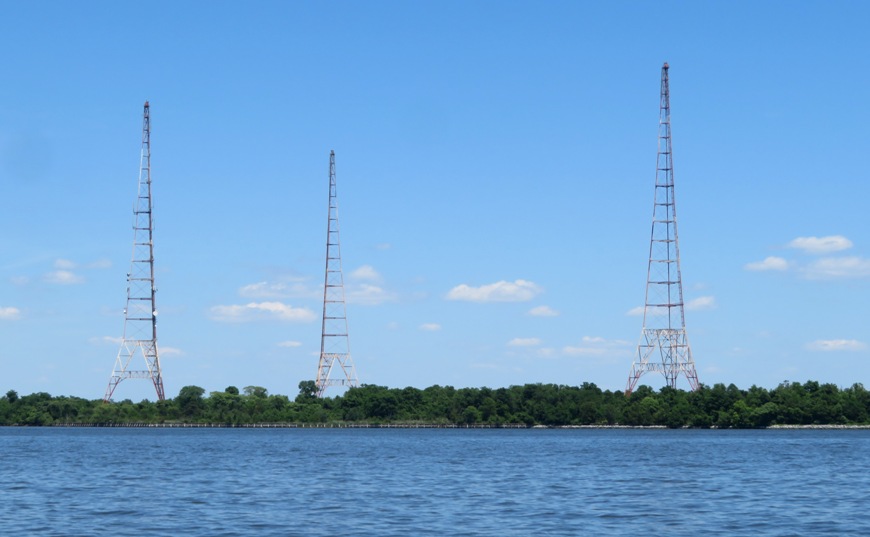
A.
x: 790, y: 403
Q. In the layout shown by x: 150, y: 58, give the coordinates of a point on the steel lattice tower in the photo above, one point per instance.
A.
x: 334, y: 341
x: 140, y: 315
x: 664, y: 345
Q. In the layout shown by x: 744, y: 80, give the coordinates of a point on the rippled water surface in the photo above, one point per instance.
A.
x: 319, y: 482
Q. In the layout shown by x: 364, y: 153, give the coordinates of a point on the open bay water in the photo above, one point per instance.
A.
x: 409, y: 482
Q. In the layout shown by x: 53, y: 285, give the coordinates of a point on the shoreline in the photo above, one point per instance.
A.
x: 141, y: 425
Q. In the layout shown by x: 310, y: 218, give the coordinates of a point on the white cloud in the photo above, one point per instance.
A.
x: 543, y: 311
x: 430, y: 327
x: 64, y: 264
x: 597, y: 346
x: 383, y: 246
x: 821, y: 245
x: 524, y: 342
x: 20, y: 280
x: 838, y: 267
x: 769, y: 263
x: 583, y: 351
x: 290, y: 344
x: 502, y: 291
x: 63, y: 277
x: 366, y: 272
x: 368, y: 295
x: 100, y: 264
x: 701, y: 303
x: 828, y: 345
x: 107, y: 339
x: 654, y: 311
x: 258, y: 311
x: 9, y: 313
x: 170, y: 351
x: 291, y: 289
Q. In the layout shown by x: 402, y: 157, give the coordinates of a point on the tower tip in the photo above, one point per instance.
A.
x: 146, y: 104
x: 665, y: 66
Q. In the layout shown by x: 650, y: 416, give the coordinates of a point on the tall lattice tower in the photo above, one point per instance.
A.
x: 664, y: 345
x: 140, y: 315
x: 334, y: 342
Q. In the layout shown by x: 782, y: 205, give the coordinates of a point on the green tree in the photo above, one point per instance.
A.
x: 190, y: 401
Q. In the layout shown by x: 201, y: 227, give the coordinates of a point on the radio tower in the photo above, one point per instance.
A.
x: 334, y: 342
x: 140, y: 315
x: 664, y: 345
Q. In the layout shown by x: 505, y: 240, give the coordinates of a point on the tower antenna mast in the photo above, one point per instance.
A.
x: 334, y: 342
x: 140, y: 315
x: 664, y: 345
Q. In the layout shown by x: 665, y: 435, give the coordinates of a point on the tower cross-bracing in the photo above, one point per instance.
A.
x: 334, y: 342
x: 664, y: 345
x: 140, y: 315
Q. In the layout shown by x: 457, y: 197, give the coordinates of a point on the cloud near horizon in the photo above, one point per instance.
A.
x: 501, y: 291
x: 597, y: 346
x: 430, y: 327
x: 261, y: 311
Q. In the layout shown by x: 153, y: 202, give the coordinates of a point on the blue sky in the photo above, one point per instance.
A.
x: 495, y: 167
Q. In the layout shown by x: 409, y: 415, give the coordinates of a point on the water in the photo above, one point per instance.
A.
x: 327, y: 482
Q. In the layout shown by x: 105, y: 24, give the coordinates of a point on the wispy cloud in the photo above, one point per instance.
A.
x: 63, y: 277
x: 597, y: 346
x: 543, y: 311
x: 368, y: 295
x: 769, y: 263
x: 821, y: 245
x: 100, y: 264
x: 64, y: 264
x: 837, y: 268
x: 9, y: 313
x: 113, y: 340
x: 701, y: 303
x: 366, y: 272
x: 290, y: 344
x: 635, y: 312
x: 170, y: 351
x: 524, y: 342
x: 501, y: 291
x: 430, y: 327
x: 830, y: 345
x: 284, y: 289
x: 261, y: 311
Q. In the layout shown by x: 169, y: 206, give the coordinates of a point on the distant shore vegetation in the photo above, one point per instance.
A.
x: 720, y: 406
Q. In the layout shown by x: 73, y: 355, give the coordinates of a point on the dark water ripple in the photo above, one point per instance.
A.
x: 433, y: 482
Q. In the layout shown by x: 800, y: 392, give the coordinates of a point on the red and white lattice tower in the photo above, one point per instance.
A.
x: 140, y: 315
x: 664, y: 345
x: 334, y: 342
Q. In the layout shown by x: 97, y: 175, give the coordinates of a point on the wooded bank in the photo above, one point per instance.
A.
x: 790, y: 403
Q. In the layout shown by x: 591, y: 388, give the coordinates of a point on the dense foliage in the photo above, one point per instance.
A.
x: 790, y: 403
